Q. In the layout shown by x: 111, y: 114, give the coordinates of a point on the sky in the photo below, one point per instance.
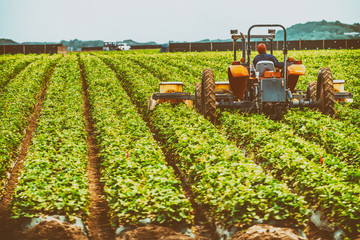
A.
x: 159, y: 20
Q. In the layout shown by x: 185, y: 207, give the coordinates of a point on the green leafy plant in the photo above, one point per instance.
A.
x: 12, y: 65
x: 54, y: 179
x: 338, y: 138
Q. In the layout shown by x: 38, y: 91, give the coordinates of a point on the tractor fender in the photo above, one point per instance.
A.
x: 238, y: 78
x: 238, y: 71
x: 296, y: 69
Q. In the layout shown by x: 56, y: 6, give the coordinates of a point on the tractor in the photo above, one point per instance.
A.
x: 261, y: 88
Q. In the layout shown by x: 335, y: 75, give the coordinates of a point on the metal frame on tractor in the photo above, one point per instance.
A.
x: 262, y: 88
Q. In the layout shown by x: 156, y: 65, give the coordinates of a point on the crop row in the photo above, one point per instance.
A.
x: 12, y: 66
x: 349, y: 114
x: 7, y: 59
x: 337, y: 137
x: 194, y: 63
x: 232, y: 189
x: 283, y: 158
x: 137, y: 88
x: 138, y: 182
x: 18, y: 101
x: 54, y: 179
x: 281, y: 132
x: 164, y: 72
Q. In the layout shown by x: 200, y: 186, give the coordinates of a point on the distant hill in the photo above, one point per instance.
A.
x: 4, y: 41
x: 133, y: 43
x: 39, y: 43
x: 306, y: 31
x: 320, y: 31
x: 311, y: 31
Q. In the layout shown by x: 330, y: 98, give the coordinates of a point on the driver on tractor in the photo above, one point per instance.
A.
x: 261, y: 48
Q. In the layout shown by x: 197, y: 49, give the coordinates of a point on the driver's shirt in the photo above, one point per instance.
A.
x: 268, y: 57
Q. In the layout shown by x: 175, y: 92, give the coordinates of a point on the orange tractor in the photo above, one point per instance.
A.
x: 260, y: 88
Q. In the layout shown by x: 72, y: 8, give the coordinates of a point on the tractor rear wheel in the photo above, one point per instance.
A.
x: 208, y: 100
x: 325, y: 92
x: 311, y: 91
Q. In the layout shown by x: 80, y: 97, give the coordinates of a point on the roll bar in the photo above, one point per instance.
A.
x: 267, y: 25
x: 246, y: 45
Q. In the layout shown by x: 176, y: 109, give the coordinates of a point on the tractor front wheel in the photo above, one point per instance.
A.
x: 208, y: 100
x: 325, y: 92
x: 311, y: 91
x: 198, y: 97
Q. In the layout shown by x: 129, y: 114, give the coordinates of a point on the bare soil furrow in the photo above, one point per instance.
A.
x: 99, y: 223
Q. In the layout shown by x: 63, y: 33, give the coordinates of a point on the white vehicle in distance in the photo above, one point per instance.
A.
x: 115, y: 46
x: 123, y: 46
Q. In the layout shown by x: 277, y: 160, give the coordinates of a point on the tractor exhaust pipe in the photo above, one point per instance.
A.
x: 235, y: 36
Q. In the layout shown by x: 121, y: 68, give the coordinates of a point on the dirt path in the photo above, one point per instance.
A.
x: 99, y: 223
x: 203, y: 229
x: 8, y: 225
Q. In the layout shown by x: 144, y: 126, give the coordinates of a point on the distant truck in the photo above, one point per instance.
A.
x: 115, y: 46
x: 123, y: 46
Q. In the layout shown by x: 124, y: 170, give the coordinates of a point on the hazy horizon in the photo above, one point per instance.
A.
x: 159, y: 20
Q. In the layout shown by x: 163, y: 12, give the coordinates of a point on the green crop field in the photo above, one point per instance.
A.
x: 246, y: 168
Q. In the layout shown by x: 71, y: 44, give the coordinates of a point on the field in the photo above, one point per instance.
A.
x: 75, y: 134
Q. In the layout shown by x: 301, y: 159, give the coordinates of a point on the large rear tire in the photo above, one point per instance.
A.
x: 208, y: 99
x: 325, y: 92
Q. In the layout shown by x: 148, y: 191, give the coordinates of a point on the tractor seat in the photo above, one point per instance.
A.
x: 263, y: 66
